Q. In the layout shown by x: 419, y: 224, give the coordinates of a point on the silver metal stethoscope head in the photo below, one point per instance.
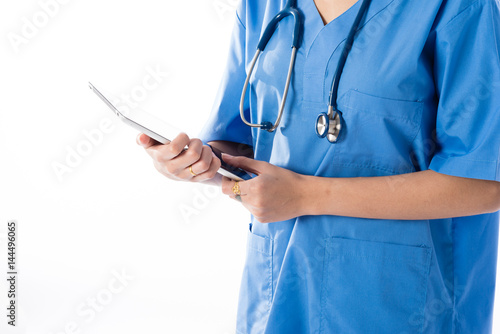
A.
x: 328, y: 124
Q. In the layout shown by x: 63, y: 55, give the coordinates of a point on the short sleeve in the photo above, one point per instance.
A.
x: 467, y: 75
x: 224, y: 122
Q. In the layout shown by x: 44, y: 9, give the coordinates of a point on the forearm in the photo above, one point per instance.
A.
x: 420, y: 195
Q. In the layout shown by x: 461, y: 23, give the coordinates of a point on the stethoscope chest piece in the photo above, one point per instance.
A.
x: 329, y: 127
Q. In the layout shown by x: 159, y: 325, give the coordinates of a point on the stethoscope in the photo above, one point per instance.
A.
x: 328, y: 124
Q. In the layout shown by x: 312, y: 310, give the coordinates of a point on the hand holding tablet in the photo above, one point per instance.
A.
x: 161, y: 132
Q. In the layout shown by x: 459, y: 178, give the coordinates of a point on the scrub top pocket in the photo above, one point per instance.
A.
x: 383, y: 284
x: 379, y: 132
x: 256, y: 285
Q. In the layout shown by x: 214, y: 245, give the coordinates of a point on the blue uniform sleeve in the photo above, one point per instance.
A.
x: 224, y: 122
x: 467, y: 76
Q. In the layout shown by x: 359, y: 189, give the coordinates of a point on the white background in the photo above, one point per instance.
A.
x: 181, y: 246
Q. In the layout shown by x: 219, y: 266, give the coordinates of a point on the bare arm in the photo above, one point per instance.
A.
x: 421, y: 195
x: 279, y: 194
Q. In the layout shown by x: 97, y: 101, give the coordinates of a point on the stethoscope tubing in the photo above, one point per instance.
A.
x: 273, y: 25
x: 267, y: 125
x: 289, y: 10
x: 328, y: 124
x: 345, y: 52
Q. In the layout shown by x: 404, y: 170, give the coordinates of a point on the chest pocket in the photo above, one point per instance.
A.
x: 378, y: 132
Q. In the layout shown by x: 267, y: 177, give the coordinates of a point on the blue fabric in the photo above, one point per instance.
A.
x: 420, y: 90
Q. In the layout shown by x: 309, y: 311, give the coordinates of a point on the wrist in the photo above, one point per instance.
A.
x: 309, y: 201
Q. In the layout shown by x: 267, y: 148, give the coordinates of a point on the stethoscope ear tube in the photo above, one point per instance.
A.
x: 289, y: 10
x: 244, y: 92
x: 267, y: 125
x: 331, y: 128
x: 345, y: 52
x: 273, y: 25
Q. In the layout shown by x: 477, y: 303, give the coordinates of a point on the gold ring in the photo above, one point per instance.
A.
x: 191, y: 171
x: 236, y: 188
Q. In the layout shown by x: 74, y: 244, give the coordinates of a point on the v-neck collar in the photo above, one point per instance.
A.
x: 314, y: 26
x: 339, y: 16
x: 321, y: 44
x: 313, y: 23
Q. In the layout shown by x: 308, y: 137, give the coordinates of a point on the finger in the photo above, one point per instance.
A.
x: 250, y: 165
x: 205, y: 161
x: 188, y: 157
x: 146, y: 141
x: 163, y: 153
x: 210, y: 173
x: 228, y: 184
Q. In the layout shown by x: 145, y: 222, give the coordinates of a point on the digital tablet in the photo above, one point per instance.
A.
x: 162, y: 132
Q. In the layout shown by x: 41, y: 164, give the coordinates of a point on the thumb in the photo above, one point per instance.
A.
x: 248, y: 164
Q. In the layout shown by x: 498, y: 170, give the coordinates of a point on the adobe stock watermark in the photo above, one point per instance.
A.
x: 202, y: 197
x: 31, y: 26
x: 88, y: 310
x: 435, y: 308
x: 94, y: 137
x: 224, y: 7
x: 204, y: 194
x: 376, y: 26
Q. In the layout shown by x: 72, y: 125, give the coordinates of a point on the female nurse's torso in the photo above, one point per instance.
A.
x: 336, y: 274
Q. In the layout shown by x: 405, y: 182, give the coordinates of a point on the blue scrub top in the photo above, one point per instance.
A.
x: 420, y: 90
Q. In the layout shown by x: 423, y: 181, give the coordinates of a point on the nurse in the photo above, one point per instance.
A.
x: 393, y: 228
